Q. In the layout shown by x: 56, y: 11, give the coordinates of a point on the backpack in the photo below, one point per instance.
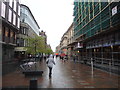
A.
x: 47, y: 61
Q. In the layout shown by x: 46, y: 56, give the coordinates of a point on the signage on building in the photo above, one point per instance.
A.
x: 79, y: 45
x: 114, y: 10
x: 20, y: 49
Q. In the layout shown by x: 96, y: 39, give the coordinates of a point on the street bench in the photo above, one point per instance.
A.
x: 28, y: 69
x: 33, y: 73
x: 27, y: 66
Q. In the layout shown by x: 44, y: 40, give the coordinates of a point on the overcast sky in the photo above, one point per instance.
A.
x: 53, y: 16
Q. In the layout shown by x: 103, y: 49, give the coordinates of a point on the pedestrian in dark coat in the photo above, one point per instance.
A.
x: 74, y: 57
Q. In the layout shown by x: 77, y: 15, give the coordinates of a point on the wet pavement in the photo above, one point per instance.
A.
x: 65, y: 75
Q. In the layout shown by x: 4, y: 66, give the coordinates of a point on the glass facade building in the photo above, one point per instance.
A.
x: 96, y: 27
x: 28, y: 18
x: 93, y: 17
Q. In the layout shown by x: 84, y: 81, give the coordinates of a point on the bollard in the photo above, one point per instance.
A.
x: 33, y: 84
x: 92, y: 65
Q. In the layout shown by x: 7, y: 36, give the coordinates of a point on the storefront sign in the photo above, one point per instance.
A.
x: 79, y: 45
x: 20, y: 49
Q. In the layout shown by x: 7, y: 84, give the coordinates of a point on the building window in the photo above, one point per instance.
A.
x: 19, y: 10
x: 10, y: 3
x: 11, y: 34
x: 24, y: 30
x: 3, y: 10
x: 21, y: 42
x: 3, y: 33
x: 18, y: 41
x: 14, y: 5
x: 6, y: 32
x: 24, y: 43
x: 18, y: 23
x: 15, y: 36
x: 14, y: 18
x: 10, y: 15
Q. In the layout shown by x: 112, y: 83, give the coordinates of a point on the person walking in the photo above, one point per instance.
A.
x: 50, y: 61
x: 74, y: 58
x: 62, y: 56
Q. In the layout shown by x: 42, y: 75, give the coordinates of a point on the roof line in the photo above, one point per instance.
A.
x: 31, y: 14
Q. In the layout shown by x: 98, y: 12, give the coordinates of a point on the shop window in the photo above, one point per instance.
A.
x: 17, y: 41
x: 15, y: 36
x: 3, y: 33
x: 11, y: 34
x: 6, y: 32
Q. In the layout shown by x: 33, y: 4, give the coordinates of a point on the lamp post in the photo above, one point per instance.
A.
x: 112, y: 55
x: 92, y: 67
x: 111, y: 61
x: 35, y: 55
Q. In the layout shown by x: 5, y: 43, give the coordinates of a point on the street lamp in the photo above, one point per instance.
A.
x: 112, y: 54
x: 111, y: 61
x: 35, y: 55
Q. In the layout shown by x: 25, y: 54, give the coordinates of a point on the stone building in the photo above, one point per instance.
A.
x: 43, y: 34
x: 70, y: 41
x: 63, y: 43
x: 67, y: 42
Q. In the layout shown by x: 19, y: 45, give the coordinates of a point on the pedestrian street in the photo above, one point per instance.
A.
x: 64, y: 75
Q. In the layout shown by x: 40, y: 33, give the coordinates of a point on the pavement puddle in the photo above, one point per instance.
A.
x: 73, y: 76
x: 73, y: 70
x: 81, y: 81
x: 89, y: 87
x: 84, y: 83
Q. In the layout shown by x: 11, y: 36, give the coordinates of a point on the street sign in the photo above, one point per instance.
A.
x: 114, y: 10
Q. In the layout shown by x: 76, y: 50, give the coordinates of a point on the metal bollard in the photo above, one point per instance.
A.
x: 92, y: 74
x: 33, y: 84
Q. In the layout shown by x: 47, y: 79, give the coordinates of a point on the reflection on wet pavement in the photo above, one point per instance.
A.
x: 65, y: 75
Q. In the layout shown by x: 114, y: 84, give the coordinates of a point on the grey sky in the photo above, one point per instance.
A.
x: 53, y: 16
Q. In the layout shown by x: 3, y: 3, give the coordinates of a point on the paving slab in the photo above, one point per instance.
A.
x: 64, y: 75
